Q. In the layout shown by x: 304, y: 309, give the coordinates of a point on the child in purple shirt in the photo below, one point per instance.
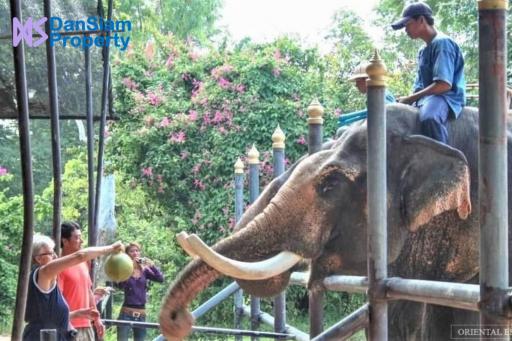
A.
x: 135, y: 290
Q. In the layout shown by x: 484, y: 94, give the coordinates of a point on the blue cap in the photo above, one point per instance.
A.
x: 412, y: 10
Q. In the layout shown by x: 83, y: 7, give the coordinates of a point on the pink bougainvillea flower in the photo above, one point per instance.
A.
x: 196, y: 168
x: 149, y: 51
x: 199, y: 184
x: 218, y: 117
x: 301, y: 140
x: 154, y: 99
x: 268, y: 169
x: 276, y: 72
x: 178, y: 137
x: 221, y: 70
x: 170, y: 61
x: 3, y: 171
x: 224, y: 83
x: 198, y: 88
x: 277, y: 55
x: 240, y: 88
x: 148, y: 171
x: 337, y: 112
x: 232, y: 223
x: 226, y: 68
x: 192, y: 115
x: 193, y: 55
x: 206, y: 118
x: 129, y: 83
x: 164, y: 122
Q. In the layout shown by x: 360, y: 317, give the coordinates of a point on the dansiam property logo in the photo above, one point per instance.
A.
x: 73, y: 33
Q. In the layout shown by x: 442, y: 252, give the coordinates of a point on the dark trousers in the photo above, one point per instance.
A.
x: 123, y: 332
x: 434, y: 117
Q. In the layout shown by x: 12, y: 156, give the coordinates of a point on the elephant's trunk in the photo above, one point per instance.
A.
x: 175, y: 320
x: 251, y: 243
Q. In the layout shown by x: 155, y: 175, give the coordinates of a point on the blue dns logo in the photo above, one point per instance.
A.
x: 62, y: 32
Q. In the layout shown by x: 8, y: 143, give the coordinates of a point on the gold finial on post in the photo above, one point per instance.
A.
x: 239, y: 166
x: 278, y: 138
x: 315, y: 112
x: 253, y: 156
x: 376, y: 71
x: 492, y: 4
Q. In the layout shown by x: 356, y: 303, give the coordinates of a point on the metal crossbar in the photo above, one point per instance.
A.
x: 205, y: 330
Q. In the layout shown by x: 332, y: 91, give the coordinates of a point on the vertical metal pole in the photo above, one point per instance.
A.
x: 55, y: 128
x: 377, y: 200
x: 278, y: 145
x: 316, y: 124
x: 28, y: 184
x: 492, y: 164
x: 90, y: 138
x: 93, y: 230
x: 254, y: 192
x: 239, y: 209
x: 48, y: 335
x: 110, y: 301
x: 316, y: 293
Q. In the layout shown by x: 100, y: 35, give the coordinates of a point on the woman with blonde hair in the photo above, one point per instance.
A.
x: 46, y: 307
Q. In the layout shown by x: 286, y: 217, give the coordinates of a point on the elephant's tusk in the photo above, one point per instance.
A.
x: 243, y: 270
x: 182, y: 240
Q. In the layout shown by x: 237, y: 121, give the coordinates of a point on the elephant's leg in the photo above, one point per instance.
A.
x: 465, y: 318
x: 438, y: 323
x: 406, y: 320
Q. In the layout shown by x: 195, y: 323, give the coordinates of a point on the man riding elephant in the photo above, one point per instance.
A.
x: 440, y: 88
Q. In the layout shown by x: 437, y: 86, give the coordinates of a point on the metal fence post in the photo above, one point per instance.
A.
x: 27, y: 176
x: 492, y: 165
x: 55, y: 129
x: 377, y: 200
x: 316, y: 294
x: 278, y: 145
x: 315, y: 124
x: 254, y: 192
x: 239, y: 209
x: 90, y: 139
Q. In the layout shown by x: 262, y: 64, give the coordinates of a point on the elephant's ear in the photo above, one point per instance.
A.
x: 434, y: 178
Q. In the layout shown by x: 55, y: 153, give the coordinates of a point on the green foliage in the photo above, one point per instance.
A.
x: 10, y: 241
x: 194, y: 20
x: 185, y: 118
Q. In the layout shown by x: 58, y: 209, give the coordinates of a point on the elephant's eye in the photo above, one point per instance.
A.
x: 330, y: 182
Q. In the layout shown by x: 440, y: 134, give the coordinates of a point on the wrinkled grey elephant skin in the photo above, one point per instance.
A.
x: 318, y: 209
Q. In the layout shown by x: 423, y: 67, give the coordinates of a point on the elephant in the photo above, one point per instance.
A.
x: 317, y: 210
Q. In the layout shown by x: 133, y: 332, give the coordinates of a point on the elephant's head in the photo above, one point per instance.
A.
x: 318, y: 211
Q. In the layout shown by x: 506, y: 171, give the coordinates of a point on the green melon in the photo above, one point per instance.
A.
x: 118, y: 267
